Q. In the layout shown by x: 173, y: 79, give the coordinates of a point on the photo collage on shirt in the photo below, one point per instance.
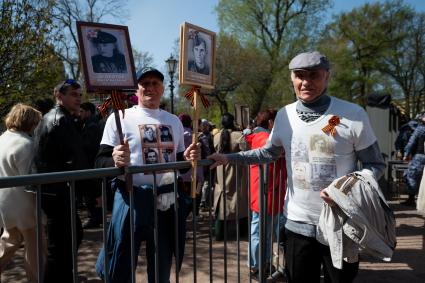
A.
x: 157, y: 143
x: 313, y: 163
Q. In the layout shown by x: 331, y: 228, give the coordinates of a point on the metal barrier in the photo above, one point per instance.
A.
x: 72, y: 176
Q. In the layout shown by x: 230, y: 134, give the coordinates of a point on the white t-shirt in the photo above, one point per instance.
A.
x: 154, y: 136
x: 314, y: 158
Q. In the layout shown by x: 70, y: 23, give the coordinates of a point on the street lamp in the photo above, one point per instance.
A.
x: 171, y: 66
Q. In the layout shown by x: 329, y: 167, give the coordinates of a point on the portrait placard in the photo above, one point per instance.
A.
x: 242, y: 115
x: 106, y: 56
x: 197, y: 56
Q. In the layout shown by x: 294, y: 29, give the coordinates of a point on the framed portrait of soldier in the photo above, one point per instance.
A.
x: 106, y: 56
x: 197, y: 56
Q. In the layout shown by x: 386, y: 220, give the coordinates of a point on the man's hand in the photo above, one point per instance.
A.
x: 121, y: 154
x: 326, y: 198
x: 407, y: 158
x: 220, y: 159
x: 193, y: 152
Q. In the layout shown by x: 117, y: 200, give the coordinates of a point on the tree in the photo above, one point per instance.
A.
x: 142, y: 59
x: 404, y: 61
x: 358, y: 41
x: 278, y: 29
x: 29, y: 68
x: 67, y: 12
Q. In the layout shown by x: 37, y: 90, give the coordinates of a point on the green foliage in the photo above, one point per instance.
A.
x: 28, y: 66
x: 360, y: 42
x: 269, y: 32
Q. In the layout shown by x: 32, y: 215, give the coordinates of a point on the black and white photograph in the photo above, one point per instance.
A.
x: 106, y: 56
x: 197, y: 56
x: 166, y: 134
x: 150, y: 155
x: 149, y: 134
x: 167, y: 155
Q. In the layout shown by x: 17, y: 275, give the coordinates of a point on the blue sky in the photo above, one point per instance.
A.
x: 154, y: 25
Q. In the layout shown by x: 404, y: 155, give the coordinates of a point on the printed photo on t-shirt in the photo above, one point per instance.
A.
x: 167, y: 155
x: 301, y: 175
x: 157, y: 143
x: 148, y: 133
x: 150, y: 156
x: 166, y: 133
x: 299, y: 150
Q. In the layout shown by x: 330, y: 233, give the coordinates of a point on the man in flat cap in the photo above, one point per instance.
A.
x: 108, y: 59
x: 345, y: 129
x: 113, y: 154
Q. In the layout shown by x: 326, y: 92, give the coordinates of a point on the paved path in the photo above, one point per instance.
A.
x: 407, y: 265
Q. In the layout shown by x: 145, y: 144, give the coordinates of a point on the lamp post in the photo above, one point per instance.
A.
x: 171, y: 66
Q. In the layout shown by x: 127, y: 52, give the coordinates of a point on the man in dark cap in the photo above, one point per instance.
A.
x: 350, y: 138
x: 112, y: 153
x: 108, y: 59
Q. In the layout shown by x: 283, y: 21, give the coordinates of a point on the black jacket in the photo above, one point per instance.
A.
x: 60, y: 146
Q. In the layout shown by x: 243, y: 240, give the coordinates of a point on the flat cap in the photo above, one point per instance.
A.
x: 149, y: 71
x: 309, y: 61
x: 103, y: 37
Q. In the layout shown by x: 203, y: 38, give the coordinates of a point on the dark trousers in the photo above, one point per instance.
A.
x: 118, y: 242
x: 304, y: 257
x: 59, y: 235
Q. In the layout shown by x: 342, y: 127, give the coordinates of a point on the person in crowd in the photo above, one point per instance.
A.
x: 275, y: 192
x: 108, y: 58
x: 199, y: 53
x: 60, y: 148
x: 113, y: 154
x: 91, y: 135
x: 207, y: 146
x: 347, y: 129
x: 229, y: 140
x: 404, y: 133
x: 17, y: 206
x: 414, y: 152
x: 44, y: 105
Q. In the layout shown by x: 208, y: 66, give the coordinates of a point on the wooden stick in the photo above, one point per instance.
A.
x: 128, y: 177
x: 195, y: 138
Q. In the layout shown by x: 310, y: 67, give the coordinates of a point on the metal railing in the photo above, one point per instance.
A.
x: 36, y: 180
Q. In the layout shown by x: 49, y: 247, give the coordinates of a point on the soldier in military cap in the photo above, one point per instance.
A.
x: 108, y: 59
x: 346, y: 129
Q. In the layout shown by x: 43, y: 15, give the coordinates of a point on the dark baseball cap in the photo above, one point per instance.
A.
x: 309, y: 61
x: 104, y: 37
x: 149, y: 71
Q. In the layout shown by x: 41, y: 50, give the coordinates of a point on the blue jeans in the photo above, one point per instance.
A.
x: 118, y: 238
x: 255, y: 238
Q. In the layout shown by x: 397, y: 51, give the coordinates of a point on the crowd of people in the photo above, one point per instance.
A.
x: 307, y: 145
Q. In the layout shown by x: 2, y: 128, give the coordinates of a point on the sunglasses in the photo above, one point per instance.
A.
x: 67, y: 83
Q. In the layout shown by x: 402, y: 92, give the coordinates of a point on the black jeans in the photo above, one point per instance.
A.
x: 304, y: 257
